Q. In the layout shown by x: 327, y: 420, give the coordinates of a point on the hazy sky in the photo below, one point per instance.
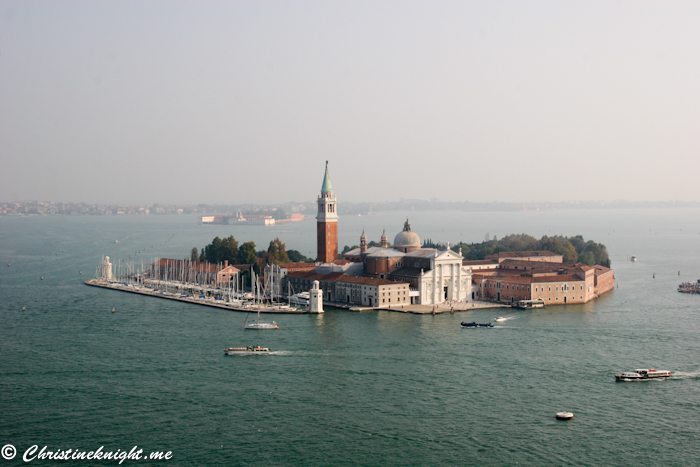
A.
x: 234, y: 102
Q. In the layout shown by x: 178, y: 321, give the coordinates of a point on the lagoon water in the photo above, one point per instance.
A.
x: 343, y: 388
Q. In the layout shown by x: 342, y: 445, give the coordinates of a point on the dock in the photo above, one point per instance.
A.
x: 189, y: 299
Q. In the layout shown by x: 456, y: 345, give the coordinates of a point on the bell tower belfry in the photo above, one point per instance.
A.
x: 327, y: 223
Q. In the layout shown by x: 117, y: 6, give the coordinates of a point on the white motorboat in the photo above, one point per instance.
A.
x: 564, y: 415
x: 643, y: 374
x: 301, y: 298
x: 500, y: 318
x: 256, y: 350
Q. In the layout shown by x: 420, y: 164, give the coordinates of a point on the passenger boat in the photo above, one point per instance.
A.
x: 257, y: 350
x: 476, y: 325
x: 525, y: 304
x: 643, y: 374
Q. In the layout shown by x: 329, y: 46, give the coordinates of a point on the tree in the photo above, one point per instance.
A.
x: 297, y: 257
x: 372, y: 243
x: 342, y: 253
x: 561, y: 246
x: 587, y: 258
x: 229, y: 250
x: 194, y: 254
x: 246, y: 253
x: 276, y: 252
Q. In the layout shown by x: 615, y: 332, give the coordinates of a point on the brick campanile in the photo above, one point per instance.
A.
x: 327, y: 223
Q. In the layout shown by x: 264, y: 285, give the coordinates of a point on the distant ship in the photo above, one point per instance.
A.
x: 633, y: 258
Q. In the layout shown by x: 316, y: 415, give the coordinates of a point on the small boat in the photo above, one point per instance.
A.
x: 256, y: 350
x: 301, y: 298
x: 476, y: 325
x: 564, y: 415
x: 525, y: 304
x: 500, y: 318
x: 116, y: 241
x: 633, y: 258
x: 643, y: 374
x: 260, y: 325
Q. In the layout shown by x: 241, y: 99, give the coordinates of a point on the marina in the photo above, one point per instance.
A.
x: 196, y: 300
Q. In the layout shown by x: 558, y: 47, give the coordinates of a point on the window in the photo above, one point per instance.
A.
x: 550, y: 289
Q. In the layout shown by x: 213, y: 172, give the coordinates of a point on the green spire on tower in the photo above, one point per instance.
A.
x: 327, y: 187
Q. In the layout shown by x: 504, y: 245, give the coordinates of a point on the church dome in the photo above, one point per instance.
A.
x: 407, y: 238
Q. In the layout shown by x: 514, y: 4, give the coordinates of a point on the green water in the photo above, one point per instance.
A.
x: 365, y: 389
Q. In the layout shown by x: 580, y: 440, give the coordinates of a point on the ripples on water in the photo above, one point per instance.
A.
x: 373, y: 388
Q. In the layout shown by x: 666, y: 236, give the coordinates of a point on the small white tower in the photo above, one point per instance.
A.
x: 315, y: 299
x: 106, y: 267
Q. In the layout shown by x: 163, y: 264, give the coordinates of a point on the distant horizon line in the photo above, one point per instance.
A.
x: 433, y: 201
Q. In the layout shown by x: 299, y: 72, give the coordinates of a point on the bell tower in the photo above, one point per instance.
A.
x: 327, y: 223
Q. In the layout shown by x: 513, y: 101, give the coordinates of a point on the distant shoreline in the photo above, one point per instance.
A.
x: 44, y: 208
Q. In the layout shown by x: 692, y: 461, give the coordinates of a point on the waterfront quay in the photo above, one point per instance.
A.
x: 201, y: 300
x: 237, y: 305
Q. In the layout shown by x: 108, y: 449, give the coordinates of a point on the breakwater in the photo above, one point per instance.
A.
x: 205, y: 301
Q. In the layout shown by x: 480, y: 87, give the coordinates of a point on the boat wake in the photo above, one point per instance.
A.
x: 686, y: 375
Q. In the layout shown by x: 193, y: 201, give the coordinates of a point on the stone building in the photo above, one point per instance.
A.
x: 434, y: 276
x: 510, y: 280
x: 343, y: 289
